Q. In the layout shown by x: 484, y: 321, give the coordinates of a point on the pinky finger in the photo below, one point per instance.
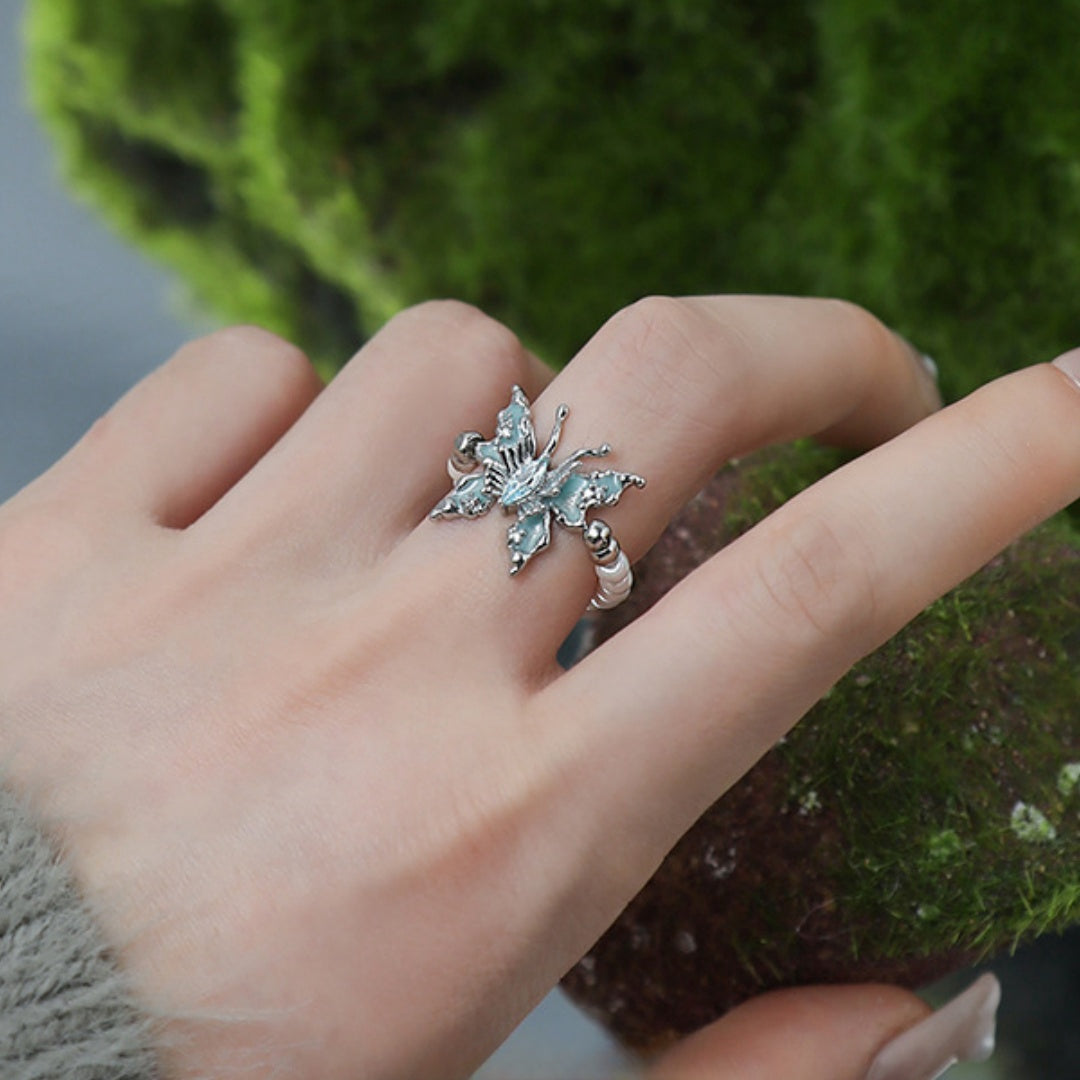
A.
x: 178, y: 440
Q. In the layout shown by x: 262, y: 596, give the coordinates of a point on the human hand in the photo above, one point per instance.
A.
x: 310, y: 752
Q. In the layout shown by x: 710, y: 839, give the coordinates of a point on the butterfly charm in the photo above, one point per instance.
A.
x: 507, y: 470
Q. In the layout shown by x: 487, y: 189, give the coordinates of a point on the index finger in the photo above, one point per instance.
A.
x: 683, y: 701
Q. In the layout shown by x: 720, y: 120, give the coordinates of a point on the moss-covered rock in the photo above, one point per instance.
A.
x: 924, y: 814
x: 314, y: 166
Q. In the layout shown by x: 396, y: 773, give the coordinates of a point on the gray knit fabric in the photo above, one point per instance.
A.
x: 64, y: 1009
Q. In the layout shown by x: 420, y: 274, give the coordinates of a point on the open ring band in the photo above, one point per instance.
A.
x: 507, y: 470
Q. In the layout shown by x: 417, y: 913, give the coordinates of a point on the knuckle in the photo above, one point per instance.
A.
x: 252, y: 338
x: 645, y: 330
x: 444, y: 312
x: 274, y: 368
x: 249, y: 343
x: 98, y: 439
x: 498, y: 352
x: 870, y: 335
x: 454, y: 317
x: 818, y: 584
x: 99, y: 451
x: 482, y: 341
x: 288, y: 371
x: 670, y: 356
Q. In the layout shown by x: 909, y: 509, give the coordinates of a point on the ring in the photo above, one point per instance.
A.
x: 507, y: 470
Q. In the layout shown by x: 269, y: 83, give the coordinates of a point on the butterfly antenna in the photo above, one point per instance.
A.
x: 561, y: 413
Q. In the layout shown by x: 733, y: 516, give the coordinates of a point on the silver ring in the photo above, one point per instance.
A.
x: 507, y: 470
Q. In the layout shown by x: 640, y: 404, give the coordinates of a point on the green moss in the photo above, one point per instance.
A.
x: 553, y: 161
x: 952, y: 147
x: 770, y: 478
x: 942, y: 754
x: 950, y: 755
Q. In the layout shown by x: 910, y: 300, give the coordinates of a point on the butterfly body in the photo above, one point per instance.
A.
x: 524, y: 483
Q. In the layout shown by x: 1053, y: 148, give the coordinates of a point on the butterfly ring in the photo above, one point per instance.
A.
x: 506, y: 469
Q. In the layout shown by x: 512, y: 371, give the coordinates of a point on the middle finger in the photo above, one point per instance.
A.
x: 677, y: 386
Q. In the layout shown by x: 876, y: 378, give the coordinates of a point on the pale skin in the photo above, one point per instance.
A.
x: 310, y: 753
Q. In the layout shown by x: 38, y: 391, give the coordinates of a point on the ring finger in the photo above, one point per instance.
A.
x: 366, y: 461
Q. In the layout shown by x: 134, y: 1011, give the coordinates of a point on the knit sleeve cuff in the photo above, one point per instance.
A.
x: 65, y: 1008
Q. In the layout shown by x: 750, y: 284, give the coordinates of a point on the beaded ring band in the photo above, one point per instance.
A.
x: 507, y: 470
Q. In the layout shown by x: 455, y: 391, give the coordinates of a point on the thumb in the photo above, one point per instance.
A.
x: 838, y: 1033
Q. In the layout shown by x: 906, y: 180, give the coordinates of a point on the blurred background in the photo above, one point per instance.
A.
x: 82, y: 318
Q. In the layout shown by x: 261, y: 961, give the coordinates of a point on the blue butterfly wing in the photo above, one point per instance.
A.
x: 469, y: 498
x: 580, y: 491
x: 514, y: 432
x: 528, y: 535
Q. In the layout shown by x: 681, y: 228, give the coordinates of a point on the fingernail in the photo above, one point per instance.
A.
x: 928, y: 371
x: 1070, y: 363
x: 961, y: 1030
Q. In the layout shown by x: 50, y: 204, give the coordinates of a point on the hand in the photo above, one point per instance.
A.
x: 310, y: 752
